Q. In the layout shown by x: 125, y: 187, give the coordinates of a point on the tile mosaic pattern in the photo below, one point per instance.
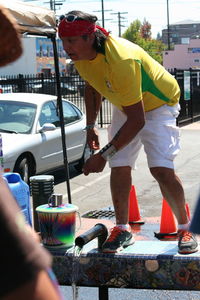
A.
x: 149, y: 263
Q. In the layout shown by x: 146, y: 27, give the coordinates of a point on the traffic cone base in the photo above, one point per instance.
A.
x: 161, y: 236
x: 139, y: 222
x: 134, y: 213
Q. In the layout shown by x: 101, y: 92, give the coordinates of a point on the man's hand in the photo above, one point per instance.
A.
x: 95, y: 164
x: 93, y: 139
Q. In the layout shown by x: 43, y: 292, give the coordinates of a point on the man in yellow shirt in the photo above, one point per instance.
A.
x: 145, y: 107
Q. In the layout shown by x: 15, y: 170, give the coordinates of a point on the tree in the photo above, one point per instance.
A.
x: 140, y: 34
x: 133, y: 32
x: 145, y: 30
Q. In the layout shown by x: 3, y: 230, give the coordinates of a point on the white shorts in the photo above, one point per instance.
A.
x: 160, y: 137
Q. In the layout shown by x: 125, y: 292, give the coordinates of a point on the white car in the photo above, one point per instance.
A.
x: 5, y: 88
x: 31, y: 134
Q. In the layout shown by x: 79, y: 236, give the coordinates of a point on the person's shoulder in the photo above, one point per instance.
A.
x: 122, y: 45
x: 120, y: 41
x: 119, y: 50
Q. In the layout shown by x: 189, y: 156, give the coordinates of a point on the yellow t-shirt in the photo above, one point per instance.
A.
x: 126, y: 74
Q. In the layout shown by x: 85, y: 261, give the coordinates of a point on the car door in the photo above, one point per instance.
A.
x: 50, y: 149
x: 74, y: 130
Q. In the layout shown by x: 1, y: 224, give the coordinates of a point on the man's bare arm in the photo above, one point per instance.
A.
x: 93, y: 102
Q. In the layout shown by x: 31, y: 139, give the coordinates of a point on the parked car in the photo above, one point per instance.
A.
x: 31, y: 134
x: 4, y: 87
x: 48, y: 86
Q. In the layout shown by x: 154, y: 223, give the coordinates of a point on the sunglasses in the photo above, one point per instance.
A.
x: 72, y: 18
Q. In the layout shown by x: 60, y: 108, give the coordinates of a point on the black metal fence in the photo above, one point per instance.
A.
x: 189, y: 82
x: 72, y: 88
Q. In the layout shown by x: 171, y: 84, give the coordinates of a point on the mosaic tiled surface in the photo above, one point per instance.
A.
x: 149, y: 263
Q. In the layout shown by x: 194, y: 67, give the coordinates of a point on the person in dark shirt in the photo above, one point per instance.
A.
x: 25, y: 265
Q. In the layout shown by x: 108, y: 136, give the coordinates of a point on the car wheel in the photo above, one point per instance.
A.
x: 86, y: 154
x: 24, y: 167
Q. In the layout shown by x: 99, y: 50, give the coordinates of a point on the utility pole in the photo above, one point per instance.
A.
x: 54, y: 3
x: 119, y: 20
x: 102, y: 10
x: 168, y: 32
x: 102, y: 13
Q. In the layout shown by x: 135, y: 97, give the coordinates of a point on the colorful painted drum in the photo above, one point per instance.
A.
x: 57, y: 225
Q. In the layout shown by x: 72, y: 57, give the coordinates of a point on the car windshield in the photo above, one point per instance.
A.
x: 16, y: 117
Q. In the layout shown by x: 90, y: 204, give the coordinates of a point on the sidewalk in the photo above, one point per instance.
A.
x: 192, y: 126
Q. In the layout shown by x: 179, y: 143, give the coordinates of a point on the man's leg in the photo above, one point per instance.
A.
x: 172, y: 190
x: 120, y: 236
x: 161, y: 138
x: 120, y: 184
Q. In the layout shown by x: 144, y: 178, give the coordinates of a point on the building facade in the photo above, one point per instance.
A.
x: 37, y: 58
x: 183, y: 56
x: 180, y: 32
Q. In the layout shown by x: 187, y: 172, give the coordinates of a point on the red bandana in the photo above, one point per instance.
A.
x: 77, y: 28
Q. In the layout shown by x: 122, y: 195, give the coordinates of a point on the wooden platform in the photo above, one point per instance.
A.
x: 148, y: 264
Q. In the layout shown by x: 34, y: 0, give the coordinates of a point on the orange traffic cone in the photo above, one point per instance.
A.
x: 168, y: 225
x: 134, y: 213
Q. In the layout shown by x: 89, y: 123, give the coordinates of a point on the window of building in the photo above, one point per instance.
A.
x: 185, y: 40
x: 193, y: 50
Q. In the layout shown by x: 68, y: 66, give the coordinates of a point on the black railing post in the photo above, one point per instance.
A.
x: 61, y: 116
x: 103, y: 293
x: 101, y: 117
x: 191, y: 95
x: 21, y: 83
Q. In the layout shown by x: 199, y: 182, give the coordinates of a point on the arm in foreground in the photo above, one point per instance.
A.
x: 40, y: 288
x: 25, y: 264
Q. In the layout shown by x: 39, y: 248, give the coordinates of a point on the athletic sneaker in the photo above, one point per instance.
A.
x: 187, y: 242
x: 119, y: 238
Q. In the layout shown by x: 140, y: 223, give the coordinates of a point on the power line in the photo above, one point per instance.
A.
x: 52, y: 3
x: 120, y: 20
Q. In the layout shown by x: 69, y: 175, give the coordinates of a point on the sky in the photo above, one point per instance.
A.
x: 154, y: 11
